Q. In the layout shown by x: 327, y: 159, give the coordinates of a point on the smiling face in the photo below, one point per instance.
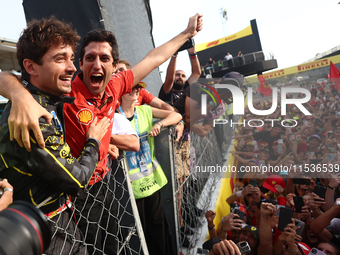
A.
x: 97, y: 66
x: 133, y: 96
x: 264, y: 155
x: 55, y: 74
x: 314, y: 142
x: 249, y: 237
x: 337, y: 131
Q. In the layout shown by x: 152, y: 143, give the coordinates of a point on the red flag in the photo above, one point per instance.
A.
x: 264, y: 88
x: 334, y: 75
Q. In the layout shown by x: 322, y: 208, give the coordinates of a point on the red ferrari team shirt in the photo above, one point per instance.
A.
x: 80, y: 115
x: 145, y: 97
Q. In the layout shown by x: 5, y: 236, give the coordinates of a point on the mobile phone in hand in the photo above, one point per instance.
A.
x: 301, y: 181
x: 239, y: 213
x: 285, y: 217
x: 301, y: 224
x: 315, y: 251
x: 253, y: 182
x: 320, y: 191
x: 188, y: 44
x: 298, y: 204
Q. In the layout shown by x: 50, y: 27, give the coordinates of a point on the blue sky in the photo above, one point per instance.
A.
x: 293, y: 30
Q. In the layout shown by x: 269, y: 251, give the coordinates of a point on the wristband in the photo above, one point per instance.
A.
x: 326, y: 144
x: 331, y: 187
x: 182, y: 122
x: 239, y: 194
x: 289, y: 251
x: 160, y: 123
x: 297, y: 140
x: 174, y: 56
x: 8, y: 189
x: 192, y: 56
x: 210, y: 102
x: 211, y: 227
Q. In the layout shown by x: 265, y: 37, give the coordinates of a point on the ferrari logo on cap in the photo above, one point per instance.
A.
x: 273, y: 182
x: 253, y: 228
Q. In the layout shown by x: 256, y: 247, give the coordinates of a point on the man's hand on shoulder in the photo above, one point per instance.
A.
x: 24, y: 116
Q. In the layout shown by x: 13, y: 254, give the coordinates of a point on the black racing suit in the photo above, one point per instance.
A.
x: 46, y: 173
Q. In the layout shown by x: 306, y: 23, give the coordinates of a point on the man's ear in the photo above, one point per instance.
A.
x: 80, y: 65
x: 115, y: 67
x: 30, y: 67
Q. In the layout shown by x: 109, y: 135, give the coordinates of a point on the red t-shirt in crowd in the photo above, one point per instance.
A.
x: 145, y: 97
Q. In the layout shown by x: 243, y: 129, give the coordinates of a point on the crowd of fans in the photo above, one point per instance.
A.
x: 291, y: 168
x: 286, y: 198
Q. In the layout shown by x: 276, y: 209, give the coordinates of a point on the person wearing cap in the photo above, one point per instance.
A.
x: 145, y: 97
x: 264, y: 155
x: 145, y: 172
x: 314, y: 142
x: 262, y: 145
x: 275, y: 184
x: 275, y: 154
x: 251, y: 235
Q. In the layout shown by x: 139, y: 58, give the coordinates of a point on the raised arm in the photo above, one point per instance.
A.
x: 170, y: 75
x: 25, y: 111
x: 195, y: 66
x: 320, y: 223
x: 265, y: 230
x: 160, y: 54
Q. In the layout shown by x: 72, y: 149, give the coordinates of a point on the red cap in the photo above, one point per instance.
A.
x: 273, y: 180
x: 263, y: 142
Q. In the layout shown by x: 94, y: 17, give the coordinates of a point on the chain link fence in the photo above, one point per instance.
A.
x: 107, y: 214
x: 107, y: 217
x: 193, y: 190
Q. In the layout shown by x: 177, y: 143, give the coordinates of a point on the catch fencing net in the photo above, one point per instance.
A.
x: 106, y: 216
x: 194, y: 189
x: 105, y: 220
